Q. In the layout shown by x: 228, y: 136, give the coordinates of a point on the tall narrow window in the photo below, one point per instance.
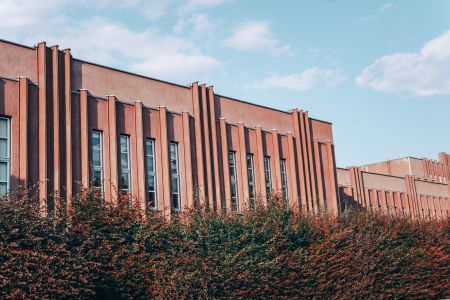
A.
x: 268, y: 175
x: 175, y: 177
x: 233, y: 181
x: 125, y: 174
x: 5, y: 155
x: 97, y: 160
x: 284, y: 187
x: 151, y: 174
x: 251, y: 181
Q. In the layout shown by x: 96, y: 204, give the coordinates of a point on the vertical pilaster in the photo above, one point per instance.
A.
x: 212, y: 115
x: 300, y: 158
x: 320, y: 179
x: 260, y: 159
x: 333, y: 198
x: 140, y: 155
x: 166, y: 194
x: 311, y: 161
x: 68, y: 122
x: 306, y: 161
x: 56, y: 114
x: 84, y: 138
x: 293, y: 200
x: 383, y: 204
x: 244, y: 170
x: 23, y: 131
x: 225, y: 163
x: 188, y: 159
x: 207, y: 140
x: 198, y: 143
x: 113, y: 147
x: 276, y: 180
x: 42, y: 83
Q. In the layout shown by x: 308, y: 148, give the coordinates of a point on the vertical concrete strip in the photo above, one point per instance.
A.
x: 334, y: 197
x: 320, y: 179
x: 300, y: 158
x: 23, y: 131
x: 225, y: 163
x: 207, y: 141
x: 293, y: 200
x: 377, y: 204
x: 214, y: 143
x: 198, y: 143
x: 361, y: 187
x: 113, y: 148
x: 68, y: 122
x: 243, y: 201
x: 260, y: 160
x: 56, y: 115
x: 311, y: 161
x: 188, y: 159
x: 306, y: 161
x: 42, y: 83
x: 140, y: 155
x: 84, y: 138
x: 276, y: 180
x: 383, y: 202
x: 166, y: 193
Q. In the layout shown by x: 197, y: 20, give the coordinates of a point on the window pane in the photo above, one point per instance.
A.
x: 125, y: 181
x: 174, y: 184
x: 3, y: 171
x: 149, y: 147
x: 97, y: 180
x: 124, y: 161
x: 173, y: 166
x: 151, y: 183
x: 123, y: 144
x: 175, y: 203
x: 4, y: 127
x: 152, y: 200
x: 150, y: 166
x: 96, y: 140
x: 233, y: 190
x: 3, y: 188
x: 3, y: 147
x: 96, y: 158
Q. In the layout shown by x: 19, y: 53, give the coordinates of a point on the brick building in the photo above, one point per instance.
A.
x: 402, y: 187
x: 67, y: 123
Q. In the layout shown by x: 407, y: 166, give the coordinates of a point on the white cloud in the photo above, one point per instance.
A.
x: 191, y: 5
x: 23, y: 13
x: 148, y: 52
x: 422, y: 73
x: 383, y: 8
x: 255, y: 36
x: 200, y: 23
x: 303, y: 81
x: 107, y: 41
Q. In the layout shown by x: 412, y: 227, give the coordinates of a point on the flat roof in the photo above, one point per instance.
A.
x: 160, y: 80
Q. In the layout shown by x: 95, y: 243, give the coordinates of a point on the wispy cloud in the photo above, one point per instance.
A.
x: 192, y: 5
x: 382, y: 9
x: 148, y: 51
x: 255, y: 36
x: 303, y: 81
x: 422, y: 73
x: 199, y: 22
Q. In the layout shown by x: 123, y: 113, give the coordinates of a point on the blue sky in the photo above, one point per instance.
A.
x: 378, y: 70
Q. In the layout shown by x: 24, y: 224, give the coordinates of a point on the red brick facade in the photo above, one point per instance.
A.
x: 73, y: 122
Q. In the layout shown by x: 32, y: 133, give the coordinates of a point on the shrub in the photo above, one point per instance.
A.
x: 102, y: 251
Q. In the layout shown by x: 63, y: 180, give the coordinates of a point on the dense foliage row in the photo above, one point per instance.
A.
x: 97, y: 251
